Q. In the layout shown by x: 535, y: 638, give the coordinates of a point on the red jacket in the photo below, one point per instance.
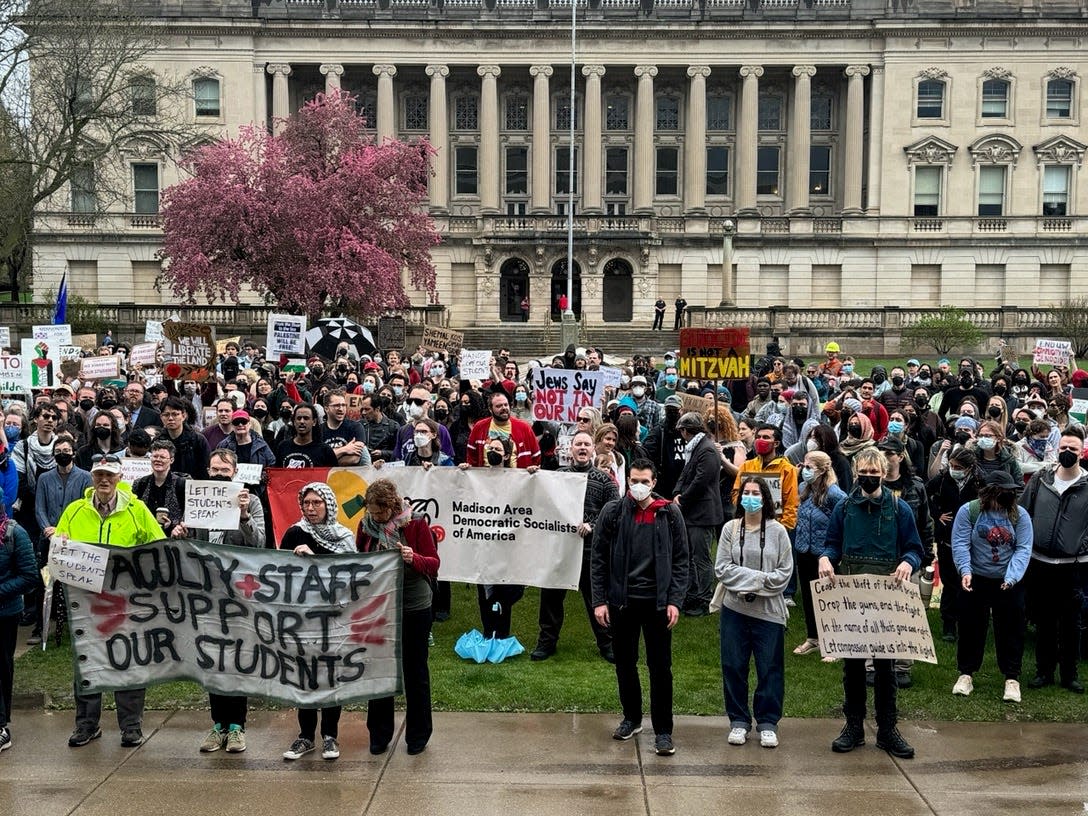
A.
x: 425, y: 560
x: 521, y: 434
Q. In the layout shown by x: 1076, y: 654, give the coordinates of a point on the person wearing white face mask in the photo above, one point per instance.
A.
x: 418, y: 406
x: 994, y: 453
x: 650, y: 413
x: 426, y: 452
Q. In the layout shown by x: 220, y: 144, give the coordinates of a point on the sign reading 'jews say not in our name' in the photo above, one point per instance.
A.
x: 714, y: 354
x: 311, y: 632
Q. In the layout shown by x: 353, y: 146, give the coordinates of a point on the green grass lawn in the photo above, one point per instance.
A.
x: 576, y: 679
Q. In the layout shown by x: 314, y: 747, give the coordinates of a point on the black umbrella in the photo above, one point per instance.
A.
x: 330, y: 332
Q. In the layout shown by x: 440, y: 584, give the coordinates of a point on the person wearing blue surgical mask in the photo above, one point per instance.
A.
x: 668, y: 384
x: 522, y: 407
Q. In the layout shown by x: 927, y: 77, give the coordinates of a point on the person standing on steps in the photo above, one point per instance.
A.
x: 659, y: 315
x: 681, y: 304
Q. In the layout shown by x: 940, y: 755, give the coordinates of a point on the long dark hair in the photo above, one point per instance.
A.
x: 999, y: 499
x: 764, y: 490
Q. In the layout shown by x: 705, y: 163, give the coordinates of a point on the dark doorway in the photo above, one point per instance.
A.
x: 513, y: 288
x: 618, y: 291
x: 559, y: 287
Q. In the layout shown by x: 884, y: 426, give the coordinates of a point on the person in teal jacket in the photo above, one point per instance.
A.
x: 18, y: 575
x: 108, y: 514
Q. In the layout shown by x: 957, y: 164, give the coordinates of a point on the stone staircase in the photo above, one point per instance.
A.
x: 533, y: 341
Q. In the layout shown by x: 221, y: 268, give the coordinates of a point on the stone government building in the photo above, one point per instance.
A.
x: 866, y: 154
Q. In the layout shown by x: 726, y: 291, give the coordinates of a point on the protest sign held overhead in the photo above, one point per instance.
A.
x: 42, y: 360
x: 312, y: 632
x: 391, y: 330
x: 447, y: 340
x: 143, y: 355
x: 475, y: 365
x: 153, y: 331
x: 57, y: 335
x: 211, y: 505
x: 559, y: 393
x: 14, y: 374
x: 133, y: 467
x: 714, y: 354
x: 286, y: 336
x: 5, y: 337
x: 190, y: 350
x: 493, y: 526
x: 100, y: 368
x: 1052, y: 352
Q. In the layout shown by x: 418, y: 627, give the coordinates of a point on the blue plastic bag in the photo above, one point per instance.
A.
x: 472, y: 645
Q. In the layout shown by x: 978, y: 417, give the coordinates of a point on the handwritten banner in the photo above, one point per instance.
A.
x: 871, y: 616
x: 77, y: 564
x: 493, y: 526
x: 100, y: 368
x: 475, y: 365
x: 212, y: 505
x: 447, y: 340
x: 14, y: 374
x: 559, y: 393
x: 248, y: 473
x: 153, y: 331
x: 143, y: 355
x: 714, y: 354
x: 190, y: 350
x: 59, y: 334
x: 286, y: 335
x: 1052, y: 352
x: 5, y: 337
x: 311, y: 632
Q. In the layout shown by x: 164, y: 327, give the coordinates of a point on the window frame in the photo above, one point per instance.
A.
x: 137, y: 191
x: 459, y: 98
x: 605, y: 102
x: 986, y: 170
x: 828, y: 173
x: 561, y: 171
x: 1070, y: 175
x: 522, y: 97
x: 208, y: 117
x: 727, y: 96
x: 1005, y: 119
x: 78, y: 190
x: 777, y: 194
x: 674, y: 173
x: 1074, y: 100
x: 626, y: 194
x: 673, y: 98
x: 507, y: 195
x: 405, y: 96
x: 459, y: 174
x: 726, y: 171
x: 946, y: 95
x: 783, y: 113
x: 143, y: 82
x: 941, y: 171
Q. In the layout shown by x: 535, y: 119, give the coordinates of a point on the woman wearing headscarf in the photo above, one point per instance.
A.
x: 317, y: 533
x: 389, y: 525
x: 859, y: 436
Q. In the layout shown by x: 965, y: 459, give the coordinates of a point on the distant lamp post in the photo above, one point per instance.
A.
x: 729, y: 229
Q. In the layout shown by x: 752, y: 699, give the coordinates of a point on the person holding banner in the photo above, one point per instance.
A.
x: 871, y: 531
x: 390, y: 525
x: 525, y: 451
x: 754, y: 564
x: 108, y: 514
x: 317, y: 533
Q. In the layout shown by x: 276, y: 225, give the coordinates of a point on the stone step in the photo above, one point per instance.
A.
x: 529, y: 341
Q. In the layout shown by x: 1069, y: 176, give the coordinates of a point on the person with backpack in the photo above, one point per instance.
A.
x: 18, y: 575
x: 991, y: 545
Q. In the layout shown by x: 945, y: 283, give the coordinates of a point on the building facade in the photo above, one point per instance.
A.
x: 853, y: 154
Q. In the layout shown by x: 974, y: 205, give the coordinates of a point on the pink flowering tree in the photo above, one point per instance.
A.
x: 317, y: 216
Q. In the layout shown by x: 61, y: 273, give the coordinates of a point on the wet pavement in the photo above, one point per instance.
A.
x: 529, y: 764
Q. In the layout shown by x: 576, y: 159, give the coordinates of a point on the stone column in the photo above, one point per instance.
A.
x: 281, y: 102
x: 260, y: 97
x: 800, y: 140
x: 541, y: 183
x: 744, y: 194
x: 876, y: 137
x: 440, y: 137
x: 591, y: 161
x: 332, y: 72
x: 387, y: 114
x: 644, y: 140
x: 695, y: 141
x: 855, y: 121
x: 489, y: 138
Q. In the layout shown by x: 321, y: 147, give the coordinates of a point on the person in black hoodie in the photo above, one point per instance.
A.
x: 948, y: 491
x: 664, y: 447
x: 700, y: 502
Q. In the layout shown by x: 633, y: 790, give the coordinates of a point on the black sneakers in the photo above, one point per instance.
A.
x: 852, y: 736
x: 81, y: 736
x: 892, y: 741
x: 5, y: 738
x: 626, y: 729
x: 663, y: 745
x: 132, y: 738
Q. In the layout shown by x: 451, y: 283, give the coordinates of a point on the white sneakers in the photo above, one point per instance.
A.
x: 768, y: 739
x: 964, y: 685
x: 1012, y: 691
x: 738, y: 736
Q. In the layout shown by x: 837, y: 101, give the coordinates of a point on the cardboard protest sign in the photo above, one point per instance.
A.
x: 85, y: 342
x: 871, y: 616
x: 211, y: 505
x: 312, y: 632
x: 133, y: 467
x: 42, y: 360
x: 14, y: 374
x: 153, y: 331
x: 100, y: 368
x: 391, y: 332
x: 447, y: 340
x: 286, y: 335
x: 221, y: 345
x: 1052, y: 352
x: 77, y: 564
x: 143, y: 355
x: 714, y: 354
x: 355, y: 406
x: 475, y: 365
x: 693, y: 402
x: 558, y: 393
x: 493, y: 526
x: 190, y: 351
x: 248, y: 473
x: 59, y: 334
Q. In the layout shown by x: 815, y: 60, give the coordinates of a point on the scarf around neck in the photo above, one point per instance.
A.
x: 387, y: 536
x: 330, y: 534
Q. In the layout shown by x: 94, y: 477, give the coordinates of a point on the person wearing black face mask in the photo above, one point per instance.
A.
x: 954, y: 397
x: 871, y: 531
x: 664, y: 447
x: 1056, y: 498
x: 898, y: 396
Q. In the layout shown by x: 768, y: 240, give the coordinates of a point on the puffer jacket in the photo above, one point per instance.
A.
x: 18, y: 569
x: 129, y: 525
x: 812, y: 519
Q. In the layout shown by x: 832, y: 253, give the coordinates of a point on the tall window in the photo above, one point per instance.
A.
x: 563, y: 113
x: 143, y: 96
x: 995, y: 99
x: 820, y: 113
x: 667, y: 113
x: 517, y: 112
x: 819, y: 170
x: 1056, y: 189
x: 517, y: 171
x: 615, y: 171
x: 562, y: 171
x: 1059, y: 99
x: 770, y: 112
x: 416, y: 115
x: 466, y: 112
x: 930, y: 99
x: 717, y: 171
x: 84, y: 196
x: 617, y: 114
x: 81, y: 97
x: 667, y: 177
x: 718, y: 110
x: 465, y: 171
x: 145, y: 186
x: 366, y: 105
x: 927, y: 191
x: 767, y: 159
x: 991, y: 190
x: 206, y: 95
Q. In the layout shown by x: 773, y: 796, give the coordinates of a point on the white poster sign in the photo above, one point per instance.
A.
x: 14, y: 374
x: 248, y: 473
x: 211, y: 505
x: 60, y: 334
x: 286, y: 335
x: 133, y: 467
x: 475, y: 365
x: 153, y: 331
x: 100, y: 368
x: 559, y: 393
x: 77, y: 564
x: 1052, y: 352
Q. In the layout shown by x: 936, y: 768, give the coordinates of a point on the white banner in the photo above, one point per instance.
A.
x: 475, y: 365
x: 248, y: 473
x: 286, y: 335
x: 14, y: 374
x: 311, y: 632
x: 559, y: 393
x: 77, y: 564
x: 153, y: 331
x: 60, y: 334
x: 5, y: 337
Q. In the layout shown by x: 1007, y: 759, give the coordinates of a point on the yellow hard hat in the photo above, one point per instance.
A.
x: 832, y: 346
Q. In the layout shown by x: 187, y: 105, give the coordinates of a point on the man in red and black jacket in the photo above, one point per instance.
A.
x: 499, y: 422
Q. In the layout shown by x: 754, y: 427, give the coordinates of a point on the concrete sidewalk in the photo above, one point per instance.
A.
x: 528, y: 764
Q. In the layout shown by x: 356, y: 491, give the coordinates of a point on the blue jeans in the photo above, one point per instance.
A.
x: 742, y: 638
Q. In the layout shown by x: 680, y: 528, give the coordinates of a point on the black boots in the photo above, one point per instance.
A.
x: 853, y: 735
x: 892, y: 741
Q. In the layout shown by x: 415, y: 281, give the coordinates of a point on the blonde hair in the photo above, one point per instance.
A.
x: 871, y: 457
x: 817, y: 489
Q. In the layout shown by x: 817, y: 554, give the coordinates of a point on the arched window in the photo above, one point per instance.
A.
x: 206, y: 96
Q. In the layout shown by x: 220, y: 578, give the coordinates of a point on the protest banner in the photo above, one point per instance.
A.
x: 1052, y: 352
x: 143, y: 355
x: 391, y: 332
x: 221, y: 345
x: 693, y: 402
x: 610, y: 376
x: 1079, y: 408
x: 5, y: 337
x: 100, y: 368
x: 447, y: 340
x: 59, y: 334
x: 14, y: 374
x: 153, y: 331
x: 78, y: 564
x: 211, y: 505
x: 714, y: 354
x: 558, y: 393
x: 493, y: 526
x: 133, y: 467
x: 286, y: 335
x: 475, y: 365
x: 871, y: 616
x: 311, y: 632
x: 85, y: 342
x: 248, y: 473
x: 190, y: 351
x: 42, y: 360
x: 774, y: 482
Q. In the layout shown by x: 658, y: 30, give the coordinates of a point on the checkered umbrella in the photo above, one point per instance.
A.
x: 330, y: 332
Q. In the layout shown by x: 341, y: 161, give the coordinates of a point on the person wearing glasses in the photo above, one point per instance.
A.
x: 191, y: 449
x: 108, y: 513
x: 417, y: 405
x: 140, y: 415
x: 162, y: 489
x: 345, y: 436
